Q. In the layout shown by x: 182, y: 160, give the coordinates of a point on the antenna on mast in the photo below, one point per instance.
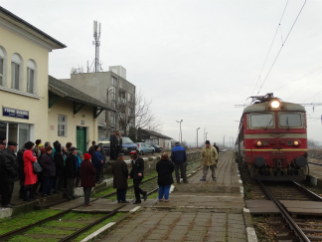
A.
x: 97, y: 43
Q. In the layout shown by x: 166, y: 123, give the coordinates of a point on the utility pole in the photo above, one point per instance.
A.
x: 180, y: 129
x: 97, y: 43
x: 197, y: 136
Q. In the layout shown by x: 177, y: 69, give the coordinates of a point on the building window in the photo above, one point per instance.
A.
x: 3, y: 66
x: 114, y: 80
x: 113, y: 120
x: 16, y: 72
x: 31, y: 76
x: 62, y: 125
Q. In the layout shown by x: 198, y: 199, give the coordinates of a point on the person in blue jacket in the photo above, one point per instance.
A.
x: 179, y: 158
x: 98, y: 161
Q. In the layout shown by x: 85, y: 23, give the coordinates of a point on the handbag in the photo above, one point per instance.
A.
x: 36, y: 167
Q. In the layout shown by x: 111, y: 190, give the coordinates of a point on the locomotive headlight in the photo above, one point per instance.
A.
x: 275, y: 104
x: 296, y: 143
x: 259, y: 143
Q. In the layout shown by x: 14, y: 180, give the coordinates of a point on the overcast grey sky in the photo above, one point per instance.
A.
x: 195, y: 59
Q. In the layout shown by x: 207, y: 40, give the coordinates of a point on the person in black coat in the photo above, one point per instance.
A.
x: 217, y: 148
x: 165, y: 168
x: 22, y: 175
x: 59, y: 164
x: 87, y: 175
x: 71, y: 172
x: 115, y: 145
x: 137, y: 175
x: 49, y: 171
x: 120, y: 176
x: 9, y: 174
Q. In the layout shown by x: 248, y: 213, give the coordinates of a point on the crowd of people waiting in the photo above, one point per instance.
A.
x: 45, y: 169
x: 60, y: 168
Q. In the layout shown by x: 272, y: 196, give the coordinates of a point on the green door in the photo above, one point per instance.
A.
x: 81, y: 139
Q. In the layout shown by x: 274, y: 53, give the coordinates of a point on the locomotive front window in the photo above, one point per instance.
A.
x: 263, y: 120
x: 290, y: 120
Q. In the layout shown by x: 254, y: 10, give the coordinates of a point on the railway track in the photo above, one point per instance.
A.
x: 9, y: 235
x: 302, y: 228
x: 314, y: 163
x: 22, y: 230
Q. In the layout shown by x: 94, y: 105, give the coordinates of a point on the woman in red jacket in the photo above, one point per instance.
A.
x: 87, y: 175
x: 31, y: 178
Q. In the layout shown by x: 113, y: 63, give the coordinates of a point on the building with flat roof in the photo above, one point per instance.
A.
x: 111, y: 88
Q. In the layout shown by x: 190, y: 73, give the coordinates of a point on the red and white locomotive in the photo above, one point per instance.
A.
x: 272, y: 139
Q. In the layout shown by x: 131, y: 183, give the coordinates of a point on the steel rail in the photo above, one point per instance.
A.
x: 289, y: 220
x: 8, y: 235
x: 78, y: 232
x: 82, y: 230
x: 308, y: 192
x: 313, y: 163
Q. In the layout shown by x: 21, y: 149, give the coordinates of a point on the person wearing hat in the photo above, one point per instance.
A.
x: 87, y: 175
x: 71, y: 172
x: 209, y: 156
x: 115, y: 145
x: 120, y: 176
x: 49, y: 171
x: 179, y: 158
x: 9, y: 174
x: 2, y: 157
x: 137, y: 175
x: 98, y: 161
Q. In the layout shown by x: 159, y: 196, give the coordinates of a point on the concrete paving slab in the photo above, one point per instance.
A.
x: 198, y: 211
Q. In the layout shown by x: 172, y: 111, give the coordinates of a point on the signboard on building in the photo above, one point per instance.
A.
x: 15, y: 113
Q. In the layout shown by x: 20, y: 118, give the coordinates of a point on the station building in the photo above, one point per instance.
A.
x: 34, y: 105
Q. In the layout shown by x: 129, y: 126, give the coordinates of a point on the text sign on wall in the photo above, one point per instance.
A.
x: 15, y: 113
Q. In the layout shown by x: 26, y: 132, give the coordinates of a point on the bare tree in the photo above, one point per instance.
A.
x: 135, y: 112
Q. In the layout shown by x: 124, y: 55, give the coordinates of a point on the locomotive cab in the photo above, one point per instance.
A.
x: 273, y: 139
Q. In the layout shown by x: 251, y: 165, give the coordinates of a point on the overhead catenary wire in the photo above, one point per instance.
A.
x: 270, y: 47
x: 297, y: 79
x: 283, y: 44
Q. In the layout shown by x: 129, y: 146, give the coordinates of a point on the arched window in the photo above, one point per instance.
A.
x: 31, y: 76
x: 3, y: 66
x: 16, y: 72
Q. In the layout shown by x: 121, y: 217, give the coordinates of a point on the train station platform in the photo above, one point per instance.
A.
x: 315, y: 172
x: 198, y: 211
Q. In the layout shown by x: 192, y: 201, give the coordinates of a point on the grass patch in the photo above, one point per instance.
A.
x: 41, y: 230
x: 21, y: 238
x: 153, y: 195
x: 104, y: 192
x: 82, y: 216
x: 97, y: 226
x: 10, y: 224
x: 64, y: 224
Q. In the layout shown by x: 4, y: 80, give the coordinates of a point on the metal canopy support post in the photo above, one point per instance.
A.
x: 97, y: 112
x: 52, y: 99
x: 77, y: 107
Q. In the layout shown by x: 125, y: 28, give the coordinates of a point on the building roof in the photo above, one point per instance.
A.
x: 30, y: 28
x: 70, y: 93
x: 265, y: 106
x: 154, y: 133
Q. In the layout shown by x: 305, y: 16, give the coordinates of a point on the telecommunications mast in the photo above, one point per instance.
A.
x: 97, y: 43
